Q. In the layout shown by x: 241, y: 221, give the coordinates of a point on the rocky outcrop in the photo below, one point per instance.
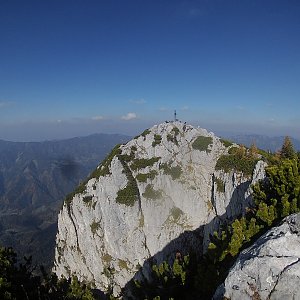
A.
x: 269, y: 269
x: 151, y: 197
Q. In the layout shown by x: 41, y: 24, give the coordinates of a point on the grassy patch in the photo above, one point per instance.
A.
x: 176, y: 213
x: 202, y: 142
x: 175, y: 172
x: 143, y: 163
x: 151, y: 193
x: 226, y: 143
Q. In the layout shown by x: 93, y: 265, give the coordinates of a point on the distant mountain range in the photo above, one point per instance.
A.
x: 262, y: 142
x: 34, y: 179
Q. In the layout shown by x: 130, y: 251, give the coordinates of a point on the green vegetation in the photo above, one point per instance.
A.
x: 172, y: 137
x: 287, y: 150
x: 175, y: 172
x: 123, y: 264
x: 220, y: 185
x: 106, y: 258
x: 143, y: 177
x: 276, y: 196
x: 17, y: 282
x: 150, y: 193
x: 87, y: 200
x: 128, y: 195
x: 94, y: 227
x: 167, y: 281
x: 143, y: 134
x: 238, y: 159
x: 202, y: 143
x: 79, y: 190
x: 157, y: 140
x: 103, y: 169
x: 176, y: 213
x: 175, y: 130
x: 143, y: 163
x: 226, y: 143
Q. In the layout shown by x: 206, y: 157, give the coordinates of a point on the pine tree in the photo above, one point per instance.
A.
x: 287, y: 150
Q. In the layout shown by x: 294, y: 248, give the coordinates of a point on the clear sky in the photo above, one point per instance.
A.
x: 76, y: 67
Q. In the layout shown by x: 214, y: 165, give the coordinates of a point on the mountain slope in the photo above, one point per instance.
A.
x: 34, y: 179
x: 160, y: 193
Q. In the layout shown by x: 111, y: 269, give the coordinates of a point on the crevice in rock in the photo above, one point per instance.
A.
x: 280, y: 274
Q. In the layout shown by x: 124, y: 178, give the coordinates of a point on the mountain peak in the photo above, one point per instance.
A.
x: 155, y: 194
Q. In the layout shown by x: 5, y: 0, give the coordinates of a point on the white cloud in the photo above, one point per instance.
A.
x: 185, y: 107
x: 97, y: 118
x: 129, y: 116
x: 138, y: 101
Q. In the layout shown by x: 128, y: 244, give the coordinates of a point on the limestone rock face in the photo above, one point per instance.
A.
x: 157, y: 194
x: 269, y: 269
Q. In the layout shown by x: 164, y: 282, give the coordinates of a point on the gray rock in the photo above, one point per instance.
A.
x: 269, y: 269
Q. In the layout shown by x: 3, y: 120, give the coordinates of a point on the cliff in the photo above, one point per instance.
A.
x: 160, y: 193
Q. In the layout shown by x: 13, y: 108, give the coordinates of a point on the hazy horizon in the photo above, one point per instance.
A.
x: 77, y: 68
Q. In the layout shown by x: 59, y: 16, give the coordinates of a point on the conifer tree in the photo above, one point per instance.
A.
x: 287, y: 150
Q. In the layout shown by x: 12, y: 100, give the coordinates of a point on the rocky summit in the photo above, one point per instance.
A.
x: 164, y: 191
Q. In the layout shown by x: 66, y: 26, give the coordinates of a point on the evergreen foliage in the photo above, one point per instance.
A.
x: 238, y: 159
x: 287, y: 149
x: 143, y: 163
x: 202, y: 143
x: 17, y: 282
x: 143, y: 177
x: 157, y: 140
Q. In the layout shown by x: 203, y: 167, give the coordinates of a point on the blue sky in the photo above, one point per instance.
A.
x: 70, y: 68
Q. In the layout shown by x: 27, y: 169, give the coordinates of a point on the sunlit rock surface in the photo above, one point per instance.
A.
x: 157, y: 194
x: 269, y: 269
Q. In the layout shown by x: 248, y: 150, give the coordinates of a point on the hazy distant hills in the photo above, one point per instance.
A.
x: 262, y: 142
x: 34, y: 179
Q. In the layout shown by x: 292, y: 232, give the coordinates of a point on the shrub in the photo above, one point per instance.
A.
x: 238, y: 159
x: 94, y: 227
x: 143, y: 177
x: 175, y: 172
x: 143, y: 163
x: 202, y: 142
x: 220, y: 185
x: 157, y: 140
x: 127, y: 196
